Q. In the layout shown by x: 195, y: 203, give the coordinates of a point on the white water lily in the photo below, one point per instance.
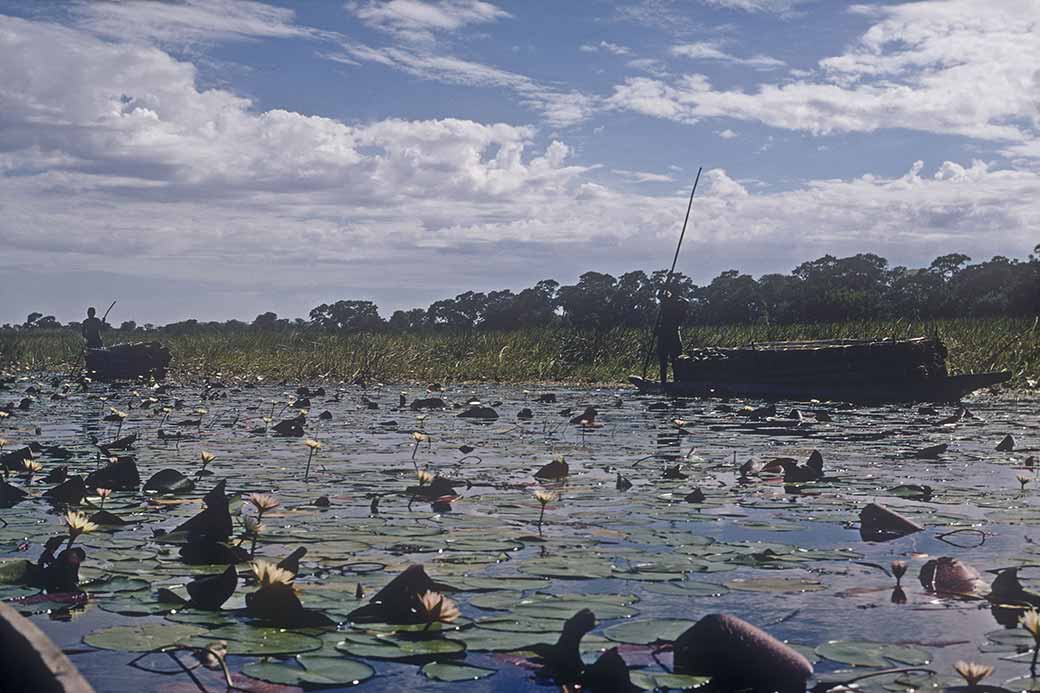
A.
x: 436, y: 607
x: 270, y: 575
x: 972, y: 672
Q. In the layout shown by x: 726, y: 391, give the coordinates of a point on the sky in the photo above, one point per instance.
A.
x: 215, y: 159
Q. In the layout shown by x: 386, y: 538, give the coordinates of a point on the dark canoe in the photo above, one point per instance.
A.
x: 947, y: 389
x: 128, y: 361
x: 849, y: 370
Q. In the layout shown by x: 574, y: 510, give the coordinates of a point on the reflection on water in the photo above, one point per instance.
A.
x: 785, y: 556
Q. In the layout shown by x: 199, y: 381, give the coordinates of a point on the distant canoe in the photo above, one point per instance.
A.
x: 128, y: 361
x: 858, y: 371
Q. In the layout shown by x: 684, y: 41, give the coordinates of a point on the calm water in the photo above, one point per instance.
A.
x: 646, y: 542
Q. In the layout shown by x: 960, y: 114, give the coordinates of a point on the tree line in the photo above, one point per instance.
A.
x: 828, y: 289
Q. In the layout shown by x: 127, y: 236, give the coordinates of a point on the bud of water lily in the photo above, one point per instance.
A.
x: 312, y: 444
x: 206, y: 457
x: 1031, y: 622
x: 1023, y: 479
x: 424, y: 477
x: 899, y: 569
x: 546, y: 497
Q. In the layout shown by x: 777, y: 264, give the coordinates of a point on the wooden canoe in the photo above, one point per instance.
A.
x: 945, y: 389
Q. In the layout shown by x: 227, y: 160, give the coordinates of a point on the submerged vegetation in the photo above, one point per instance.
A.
x: 529, y: 355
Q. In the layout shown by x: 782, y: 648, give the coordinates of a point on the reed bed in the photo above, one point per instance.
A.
x: 554, y: 354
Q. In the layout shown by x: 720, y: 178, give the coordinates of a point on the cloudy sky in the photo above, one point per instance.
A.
x: 220, y: 158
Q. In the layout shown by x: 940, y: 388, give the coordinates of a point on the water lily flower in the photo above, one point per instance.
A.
x: 78, y: 524
x: 424, y: 477
x: 972, y: 672
x: 1024, y: 479
x: 251, y: 525
x: 263, y: 502
x: 544, y: 498
x: 118, y: 413
x: 312, y: 444
x: 103, y: 493
x: 3, y: 442
x: 32, y: 466
x: 899, y: 570
x: 1031, y: 622
x: 270, y: 575
x: 206, y: 457
x: 435, y: 607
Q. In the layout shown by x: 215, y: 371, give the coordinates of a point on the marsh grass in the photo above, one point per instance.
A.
x: 530, y: 355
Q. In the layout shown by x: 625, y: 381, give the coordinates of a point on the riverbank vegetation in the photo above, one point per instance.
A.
x: 524, y: 355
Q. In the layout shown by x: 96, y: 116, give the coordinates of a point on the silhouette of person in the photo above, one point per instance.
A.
x: 92, y: 329
x: 669, y: 343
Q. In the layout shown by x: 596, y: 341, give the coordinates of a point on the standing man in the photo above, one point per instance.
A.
x: 669, y: 343
x: 92, y: 329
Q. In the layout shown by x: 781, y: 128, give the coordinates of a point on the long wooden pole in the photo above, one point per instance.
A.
x: 668, y: 279
x: 105, y: 316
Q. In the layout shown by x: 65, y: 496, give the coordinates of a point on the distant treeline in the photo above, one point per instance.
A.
x: 826, y: 290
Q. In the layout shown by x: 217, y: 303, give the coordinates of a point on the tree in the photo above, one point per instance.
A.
x: 128, y: 326
x: 407, y: 320
x: 30, y: 320
x: 347, y: 315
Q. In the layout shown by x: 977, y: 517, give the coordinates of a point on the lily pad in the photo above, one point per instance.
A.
x: 315, y: 671
x: 453, y: 673
x: 143, y: 637
x: 646, y: 631
x: 872, y: 654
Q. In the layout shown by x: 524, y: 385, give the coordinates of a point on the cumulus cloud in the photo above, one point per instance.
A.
x: 963, y: 67
x: 112, y: 155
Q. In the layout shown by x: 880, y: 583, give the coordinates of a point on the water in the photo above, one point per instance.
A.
x: 646, y: 541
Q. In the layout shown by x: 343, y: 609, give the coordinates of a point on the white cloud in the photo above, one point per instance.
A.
x: 112, y: 155
x: 964, y: 67
x: 559, y: 106
x: 188, y: 21
x: 776, y: 6
x: 706, y: 50
x: 726, y: 134
x: 642, y: 176
x: 605, y: 46
x: 421, y: 19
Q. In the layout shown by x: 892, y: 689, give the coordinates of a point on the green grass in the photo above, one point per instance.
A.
x: 533, y: 355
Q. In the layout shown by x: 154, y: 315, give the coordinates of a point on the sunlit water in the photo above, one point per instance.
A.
x: 646, y: 541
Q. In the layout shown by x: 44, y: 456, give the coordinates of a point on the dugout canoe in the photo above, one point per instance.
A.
x: 128, y: 361
x: 858, y: 371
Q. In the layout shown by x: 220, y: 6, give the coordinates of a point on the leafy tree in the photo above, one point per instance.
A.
x: 347, y: 315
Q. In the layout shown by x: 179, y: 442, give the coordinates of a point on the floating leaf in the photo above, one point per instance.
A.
x: 315, y: 671
x: 872, y: 654
x: 453, y: 673
x: 143, y: 637
x: 647, y: 631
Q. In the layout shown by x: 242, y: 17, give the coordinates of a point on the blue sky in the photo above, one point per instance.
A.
x: 218, y: 159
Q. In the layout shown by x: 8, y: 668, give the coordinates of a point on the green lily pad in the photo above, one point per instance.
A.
x: 262, y: 641
x: 143, y: 637
x: 872, y: 654
x: 392, y: 648
x: 315, y: 671
x: 646, y: 631
x: 652, y: 681
x: 452, y: 673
